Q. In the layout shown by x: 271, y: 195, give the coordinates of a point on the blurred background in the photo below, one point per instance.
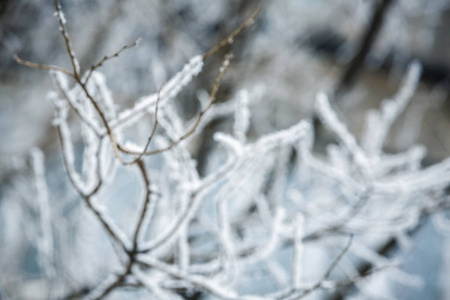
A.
x: 357, y: 50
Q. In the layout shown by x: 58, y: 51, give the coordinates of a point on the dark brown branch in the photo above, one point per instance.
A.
x: 147, y: 198
x: 367, y: 41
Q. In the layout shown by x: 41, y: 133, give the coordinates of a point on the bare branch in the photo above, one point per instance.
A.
x: 145, y: 205
x: 108, y: 57
x: 152, y: 134
x: 41, y: 67
x: 367, y: 40
x: 62, y: 23
x: 229, y: 39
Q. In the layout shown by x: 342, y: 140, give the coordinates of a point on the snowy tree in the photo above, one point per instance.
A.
x: 268, y: 217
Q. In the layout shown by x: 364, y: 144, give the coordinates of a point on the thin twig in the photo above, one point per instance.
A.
x: 41, y: 66
x: 229, y: 39
x: 359, y: 277
x: 147, y: 198
x: 108, y: 57
x: 338, y: 259
x: 329, y: 270
x: 293, y: 293
x: 152, y: 134
x: 65, y: 34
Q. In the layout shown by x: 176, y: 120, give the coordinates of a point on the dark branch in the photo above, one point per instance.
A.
x: 367, y: 41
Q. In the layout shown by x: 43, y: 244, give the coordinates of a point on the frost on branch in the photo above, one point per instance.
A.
x: 201, y: 233
x: 170, y: 90
x: 379, y: 122
x: 142, y: 216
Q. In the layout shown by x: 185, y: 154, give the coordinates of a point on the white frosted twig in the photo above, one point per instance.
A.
x: 293, y: 293
x: 347, y: 182
x: 154, y: 288
x: 172, y: 121
x: 330, y: 120
x: 103, y: 288
x: 68, y: 157
x: 252, y: 254
x: 107, y: 162
x: 62, y: 85
x: 91, y: 160
x: 104, y: 95
x: 62, y: 27
x: 197, y: 281
x: 241, y: 116
x: 45, y: 243
x: 233, y: 146
x: 170, y: 90
x: 339, y: 158
x: 194, y: 126
x: 181, y: 165
x: 234, y: 151
x: 184, y: 251
x: 281, y: 174
x: 155, y: 198
x: 110, y: 225
x: 245, y: 181
x: 194, y: 200
x: 297, y: 265
x: 279, y: 273
x: 226, y: 239
x: 280, y: 138
x: 405, y: 162
x: 195, y: 197
x: 173, y: 230
x: 268, y: 248
x: 221, y: 110
x: 432, y: 178
x: 380, y: 122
